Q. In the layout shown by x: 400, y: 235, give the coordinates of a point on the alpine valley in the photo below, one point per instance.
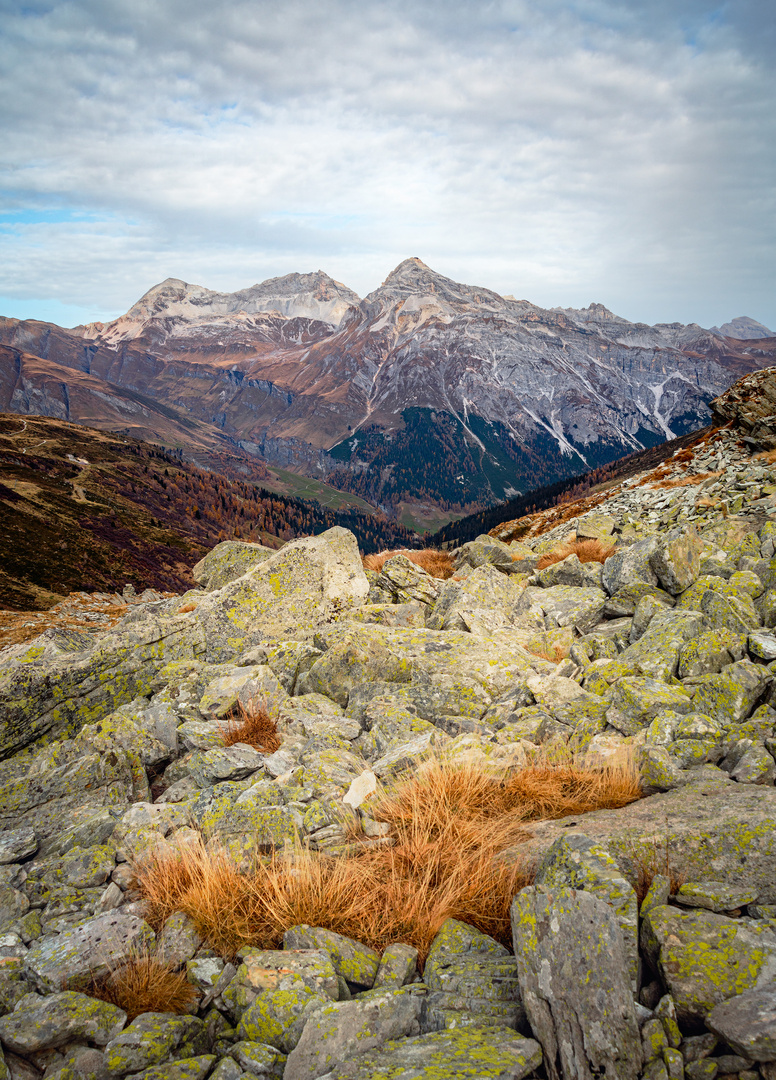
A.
x: 426, y: 397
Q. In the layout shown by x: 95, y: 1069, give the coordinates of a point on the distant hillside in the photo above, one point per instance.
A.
x: 82, y: 509
x: 460, y: 532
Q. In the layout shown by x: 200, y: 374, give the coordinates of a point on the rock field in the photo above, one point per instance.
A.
x: 111, y: 743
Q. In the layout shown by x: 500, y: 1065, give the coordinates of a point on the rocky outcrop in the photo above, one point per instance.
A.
x: 646, y: 947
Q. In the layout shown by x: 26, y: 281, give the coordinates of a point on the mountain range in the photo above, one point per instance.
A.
x: 426, y: 392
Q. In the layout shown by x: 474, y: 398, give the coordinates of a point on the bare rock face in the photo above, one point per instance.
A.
x: 751, y: 405
x: 574, y: 983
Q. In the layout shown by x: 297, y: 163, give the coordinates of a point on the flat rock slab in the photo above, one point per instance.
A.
x: 17, y: 845
x: 747, y: 1023
x: 99, y: 944
x: 575, y: 985
x: 714, y: 831
x: 48, y: 1022
x: 471, y: 1053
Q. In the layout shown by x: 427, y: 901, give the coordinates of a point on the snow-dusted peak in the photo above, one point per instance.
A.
x: 181, y: 305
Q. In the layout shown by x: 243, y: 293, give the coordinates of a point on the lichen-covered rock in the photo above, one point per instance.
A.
x: 476, y: 1052
x: 715, y: 895
x: 710, y: 652
x: 656, y: 653
x: 90, y: 950
x: 635, y: 701
x: 190, y: 1068
x: 17, y: 844
x: 154, y: 1038
x: 747, y: 1023
x: 566, y: 605
x: 339, y: 1032
x: 44, y: 1023
x: 677, y: 559
x: 575, y: 861
x: 353, y: 961
x: 398, y: 965
x: 486, y: 550
x: 570, y: 571
x: 486, y: 598
x: 228, y: 561
x: 406, y: 581
x: 705, y: 958
x: 355, y: 659
x: 307, y: 583
x: 733, y: 693
x: 43, y: 699
x: 630, y: 566
x: 574, y: 983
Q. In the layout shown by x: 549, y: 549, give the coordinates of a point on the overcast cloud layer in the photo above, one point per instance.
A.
x: 561, y: 151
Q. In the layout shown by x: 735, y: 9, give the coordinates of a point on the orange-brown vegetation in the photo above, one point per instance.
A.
x: 438, y: 564
x: 768, y: 456
x: 145, y: 984
x: 585, y: 551
x: 449, y: 825
x: 186, y: 608
x: 685, y: 481
x: 253, y: 725
x: 554, y: 655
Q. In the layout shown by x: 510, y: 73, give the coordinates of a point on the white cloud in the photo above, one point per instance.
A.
x: 562, y: 151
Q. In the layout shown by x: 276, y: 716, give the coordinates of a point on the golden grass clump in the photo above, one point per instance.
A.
x: 253, y: 725
x: 450, y: 825
x: 438, y: 564
x: 145, y: 984
x: 767, y: 456
x: 585, y: 551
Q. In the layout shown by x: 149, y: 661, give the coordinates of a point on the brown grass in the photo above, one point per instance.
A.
x: 449, y: 824
x: 684, y: 481
x: 253, y: 725
x: 438, y: 564
x: 144, y: 984
x: 768, y: 456
x: 187, y: 607
x: 585, y: 551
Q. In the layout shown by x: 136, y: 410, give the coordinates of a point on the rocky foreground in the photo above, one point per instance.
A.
x: 112, y: 743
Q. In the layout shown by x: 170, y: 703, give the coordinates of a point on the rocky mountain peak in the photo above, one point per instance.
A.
x: 743, y: 328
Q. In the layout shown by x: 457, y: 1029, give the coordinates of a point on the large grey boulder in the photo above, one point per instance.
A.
x: 228, y: 561
x: 631, y: 566
x: 706, y: 830
x: 481, y: 1052
x: 577, y: 862
x: 287, y: 596
x: 90, y: 950
x: 747, y: 1023
x: 44, y: 1023
x: 575, y: 985
x: 351, y: 959
x: 47, y: 697
x: 341, y: 1031
x: 705, y: 958
x: 154, y: 1038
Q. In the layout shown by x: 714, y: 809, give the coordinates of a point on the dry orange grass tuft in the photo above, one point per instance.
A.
x: 186, y: 608
x: 768, y: 456
x: 585, y: 551
x: 438, y: 564
x: 684, y: 481
x: 554, y: 655
x: 144, y: 984
x: 252, y: 725
x: 449, y: 824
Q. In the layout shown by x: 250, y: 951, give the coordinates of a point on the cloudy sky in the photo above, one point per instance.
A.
x: 564, y: 151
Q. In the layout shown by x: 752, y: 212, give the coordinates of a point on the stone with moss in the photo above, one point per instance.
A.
x: 715, y: 896
x: 337, y: 1033
x: 278, y: 1015
x: 406, y: 581
x: 585, y: 1021
x: 190, y: 1068
x: 731, y: 695
x: 635, y: 701
x: 710, y: 652
x: 45, y: 1023
x: 705, y: 958
x: 228, y: 561
x: 154, y: 1038
x: 74, y: 957
x: 476, y: 1052
x: 354, y: 961
x: 258, y: 1059
x: 657, y: 651
x: 576, y: 861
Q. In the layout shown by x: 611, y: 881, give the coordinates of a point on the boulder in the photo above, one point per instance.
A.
x: 228, y: 561
x: 92, y: 949
x: 705, y: 958
x: 45, y: 1023
x: 353, y: 961
x: 337, y: 1033
x: 577, y: 862
x: 575, y: 985
x: 747, y: 1023
x: 154, y: 1038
